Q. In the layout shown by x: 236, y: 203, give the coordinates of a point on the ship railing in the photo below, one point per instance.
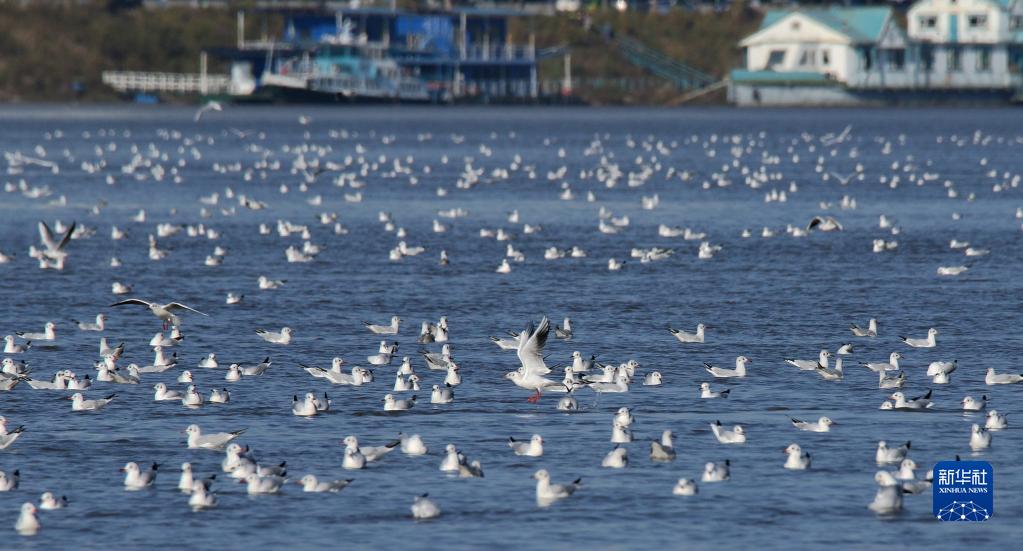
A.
x: 140, y: 81
x: 501, y: 52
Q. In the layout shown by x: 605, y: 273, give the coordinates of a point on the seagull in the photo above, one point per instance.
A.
x: 49, y: 502
x: 310, y: 483
x: 928, y: 342
x: 162, y: 394
x: 917, y: 403
x: 995, y: 420
x: 810, y: 365
x: 393, y: 404
x: 209, y: 106
x: 412, y: 444
x: 196, y: 439
x: 530, y: 350
x: 49, y: 333
x: 27, y: 523
x: 824, y: 223
x: 722, y: 373
x: 942, y: 368
x: 306, y: 407
x: 371, y: 453
x: 450, y: 462
x: 888, y: 499
x: 163, y: 311
x: 353, y: 460
x: 282, y: 337
x: 533, y: 448
x: 683, y: 337
x: 885, y: 454
x: 735, y: 436
x: 79, y: 403
x: 135, y: 478
x: 821, y: 425
x: 201, y: 497
x: 8, y: 437
x: 717, y: 472
x: 262, y: 484
x: 870, y: 331
x: 980, y: 438
x: 547, y: 493
x: 423, y: 508
x: 707, y: 393
x: 86, y: 326
x: 663, y: 450
x: 844, y: 180
x: 11, y: 347
x: 685, y: 487
x: 831, y: 374
x: 992, y: 378
x: 891, y: 365
x: 565, y: 331
x: 618, y: 458
x: 442, y: 395
x: 797, y: 460
x: 507, y: 344
x: 969, y: 404
x: 55, y: 247
x: 391, y: 329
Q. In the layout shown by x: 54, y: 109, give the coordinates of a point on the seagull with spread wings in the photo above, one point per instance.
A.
x: 163, y: 311
x: 530, y: 351
x: 54, y: 247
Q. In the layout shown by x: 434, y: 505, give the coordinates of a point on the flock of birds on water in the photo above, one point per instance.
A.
x: 172, y: 379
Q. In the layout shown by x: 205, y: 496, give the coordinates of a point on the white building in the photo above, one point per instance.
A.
x: 968, y: 43
x: 959, y: 50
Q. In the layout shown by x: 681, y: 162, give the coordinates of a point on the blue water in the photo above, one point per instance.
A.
x: 768, y: 299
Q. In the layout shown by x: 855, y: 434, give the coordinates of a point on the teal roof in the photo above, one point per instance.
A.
x: 863, y: 24
x: 780, y: 77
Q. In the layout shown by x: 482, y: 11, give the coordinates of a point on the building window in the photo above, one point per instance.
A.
x: 866, y: 55
x: 977, y: 21
x: 1016, y: 22
x: 896, y: 59
x: 825, y: 57
x: 928, y: 21
x: 776, y: 58
x: 955, y: 61
x: 808, y: 58
x: 983, y: 59
x: 795, y: 25
x: 927, y: 57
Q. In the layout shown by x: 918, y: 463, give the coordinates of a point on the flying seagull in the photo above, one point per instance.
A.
x: 210, y: 106
x: 163, y: 311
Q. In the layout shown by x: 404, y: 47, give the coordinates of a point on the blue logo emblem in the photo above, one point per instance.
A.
x: 964, y: 491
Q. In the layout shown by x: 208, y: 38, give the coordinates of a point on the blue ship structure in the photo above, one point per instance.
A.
x: 386, y: 55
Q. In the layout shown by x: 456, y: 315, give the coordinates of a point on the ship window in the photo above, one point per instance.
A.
x: 928, y: 21
x: 977, y: 21
x: 777, y: 57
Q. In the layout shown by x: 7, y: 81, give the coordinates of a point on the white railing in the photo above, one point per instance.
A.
x: 138, y: 81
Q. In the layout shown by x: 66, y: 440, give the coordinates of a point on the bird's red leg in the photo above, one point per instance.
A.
x: 534, y: 398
